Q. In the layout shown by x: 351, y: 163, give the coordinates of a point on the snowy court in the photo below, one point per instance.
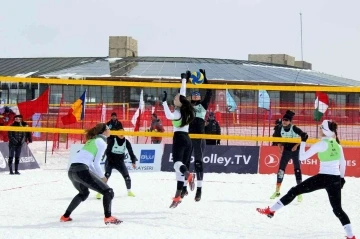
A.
x: 32, y: 203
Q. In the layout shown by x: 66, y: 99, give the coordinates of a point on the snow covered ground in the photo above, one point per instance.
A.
x: 31, y: 205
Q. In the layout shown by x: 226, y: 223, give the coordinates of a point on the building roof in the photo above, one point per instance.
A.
x: 40, y: 66
x: 167, y: 67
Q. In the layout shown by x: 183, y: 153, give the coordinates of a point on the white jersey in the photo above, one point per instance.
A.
x: 335, y: 167
x: 91, y: 154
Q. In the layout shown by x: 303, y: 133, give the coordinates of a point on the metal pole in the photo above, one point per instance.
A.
x: 47, y: 123
x: 301, y: 32
x: 257, y: 116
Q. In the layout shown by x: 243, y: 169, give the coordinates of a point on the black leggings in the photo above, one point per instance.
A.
x: 198, y: 147
x: 17, y: 150
x: 119, y: 165
x: 181, y: 152
x: 83, y: 179
x: 14, y: 151
x: 285, y: 158
x: 332, y: 185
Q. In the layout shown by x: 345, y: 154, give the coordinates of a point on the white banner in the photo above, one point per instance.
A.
x: 148, y: 155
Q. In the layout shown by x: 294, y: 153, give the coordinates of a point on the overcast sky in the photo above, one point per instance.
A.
x: 229, y: 29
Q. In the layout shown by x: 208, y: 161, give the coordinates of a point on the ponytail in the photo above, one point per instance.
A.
x: 187, y: 111
x: 333, y: 127
x: 94, y: 131
x: 337, y: 138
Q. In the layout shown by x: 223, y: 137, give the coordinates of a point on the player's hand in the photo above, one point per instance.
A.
x: 134, y: 166
x: 204, y: 74
x: 294, y: 148
x: 164, y: 96
x: 105, y: 179
x: 188, y: 75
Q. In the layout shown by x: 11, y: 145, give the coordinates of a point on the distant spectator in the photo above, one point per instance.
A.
x: 212, y: 127
x: 16, y: 140
x: 156, y: 126
x: 6, y: 119
x: 28, y: 137
x: 114, y: 123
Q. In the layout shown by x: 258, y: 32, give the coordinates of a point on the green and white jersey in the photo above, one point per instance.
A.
x: 175, y: 116
x: 91, y: 154
x: 289, y: 134
x: 200, y: 111
x: 330, y: 154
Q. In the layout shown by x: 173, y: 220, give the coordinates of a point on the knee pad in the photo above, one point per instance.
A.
x: 107, y: 175
x: 84, y: 195
x: 198, y: 166
x: 127, y: 178
x: 109, y: 193
x: 180, y: 177
x: 177, y: 166
x: 280, y: 173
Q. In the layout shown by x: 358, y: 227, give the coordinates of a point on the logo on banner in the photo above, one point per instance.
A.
x: 272, y: 160
x: 220, y: 159
x: 147, y: 156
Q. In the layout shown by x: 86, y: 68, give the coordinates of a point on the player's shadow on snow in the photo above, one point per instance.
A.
x: 240, y: 201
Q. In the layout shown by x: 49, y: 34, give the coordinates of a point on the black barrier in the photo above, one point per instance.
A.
x: 27, y: 159
x: 220, y: 159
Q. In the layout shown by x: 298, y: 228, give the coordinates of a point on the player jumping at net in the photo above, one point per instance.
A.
x: 115, y: 159
x: 85, y: 172
x: 197, y: 126
x: 330, y: 176
x: 288, y: 151
x: 181, y: 148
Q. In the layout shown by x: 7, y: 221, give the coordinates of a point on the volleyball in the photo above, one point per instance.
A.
x: 196, y: 78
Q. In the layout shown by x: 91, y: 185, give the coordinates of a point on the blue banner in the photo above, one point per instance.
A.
x: 220, y: 159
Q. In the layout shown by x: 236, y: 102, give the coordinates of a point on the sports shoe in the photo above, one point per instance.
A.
x: 351, y: 237
x: 191, y: 181
x: 176, y: 201
x: 65, y: 219
x: 274, y: 195
x: 266, y: 211
x: 198, y: 195
x: 184, y: 192
x: 299, y: 198
x: 131, y: 194
x: 112, y: 220
x: 98, y: 196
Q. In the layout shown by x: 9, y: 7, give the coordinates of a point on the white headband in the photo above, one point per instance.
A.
x: 325, y: 129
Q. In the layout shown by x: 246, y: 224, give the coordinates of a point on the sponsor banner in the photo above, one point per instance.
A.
x: 148, y: 155
x: 270, y: 159
x: 352, y: 157
x: 27, y: 159
x: 220, y: 159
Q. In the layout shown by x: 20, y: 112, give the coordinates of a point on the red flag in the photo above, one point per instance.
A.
x: 39, y: 105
